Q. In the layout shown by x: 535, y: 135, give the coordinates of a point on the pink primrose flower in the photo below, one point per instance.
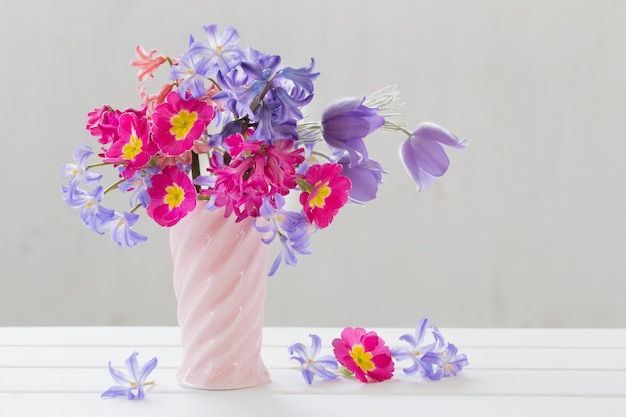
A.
x: 328, y: 194
x: 172, y: 196
x: 133, y: 147
x: 146, y: 63
x: 179, y: 123
x: 364, y: 354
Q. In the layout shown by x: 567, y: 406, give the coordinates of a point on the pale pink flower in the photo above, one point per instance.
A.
x: 146, y: 63
x: 149, y: 102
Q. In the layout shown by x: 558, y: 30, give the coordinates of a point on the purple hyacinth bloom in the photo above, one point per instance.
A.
x: 262, y: 68
x: 122, y: 232
x: 423, y: 155
x: 346, y: 123
x: 365, y: 176
x: 302, y: 77
x: 313, y: 366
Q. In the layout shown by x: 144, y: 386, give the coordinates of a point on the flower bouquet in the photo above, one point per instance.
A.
x: 226, y: 134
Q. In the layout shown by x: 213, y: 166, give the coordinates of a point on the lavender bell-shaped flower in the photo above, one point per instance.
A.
x: 423, y: 155
x: 345, y: 124
x: 365, y: 176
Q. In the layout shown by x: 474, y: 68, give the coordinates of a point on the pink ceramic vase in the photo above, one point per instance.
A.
x: 220, y: 282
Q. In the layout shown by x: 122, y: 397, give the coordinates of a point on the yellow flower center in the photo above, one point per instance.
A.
x: 182, y: 123
x: 362, y: 358
x: 132, y: 148
x: 319, y: 198
x: 175, y: 196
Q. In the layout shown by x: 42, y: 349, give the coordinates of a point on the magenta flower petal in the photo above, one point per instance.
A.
x: 179, y: 123
x: 328, y: 194
x: 172, y: 196
x: 364, y: 354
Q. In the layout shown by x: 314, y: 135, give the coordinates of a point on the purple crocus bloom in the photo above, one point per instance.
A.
x: 423, y: 155
x: 365, y: 176
x: 135, y: 381
x: 346, y: 123
x: 122, y: 232
x: 313, y: 366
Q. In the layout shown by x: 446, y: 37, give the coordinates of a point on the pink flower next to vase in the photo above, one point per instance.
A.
x: 364, y: 354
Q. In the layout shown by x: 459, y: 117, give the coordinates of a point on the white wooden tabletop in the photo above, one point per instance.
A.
x: 61, y: 371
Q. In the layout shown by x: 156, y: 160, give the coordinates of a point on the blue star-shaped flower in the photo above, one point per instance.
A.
x: 130, y: 385
x: 311, y: 365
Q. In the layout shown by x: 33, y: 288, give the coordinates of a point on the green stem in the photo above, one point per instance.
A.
x: 403, y: 129
x: 304, y: 186
x: 100, y: 164
x: 323, y: 155
x: 215, y: 84
x: 113, y: 186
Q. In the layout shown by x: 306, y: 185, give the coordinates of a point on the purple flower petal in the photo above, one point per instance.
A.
x: 423, y: 156
x: 346, y: 123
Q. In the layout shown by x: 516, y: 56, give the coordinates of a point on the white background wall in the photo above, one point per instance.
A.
x: 526, y: 229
